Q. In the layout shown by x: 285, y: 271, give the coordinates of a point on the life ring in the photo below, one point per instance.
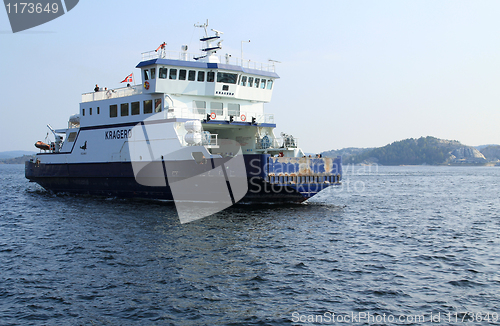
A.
x: 243, y: 117
x: 213, y: 115
x: 146, y: 85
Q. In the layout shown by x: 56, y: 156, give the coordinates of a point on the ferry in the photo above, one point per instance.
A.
x: 195, y: 120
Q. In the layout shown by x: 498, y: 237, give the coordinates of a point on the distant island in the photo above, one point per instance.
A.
x: 13, y: 154
x: 422, y: 151
x: 16, y: 160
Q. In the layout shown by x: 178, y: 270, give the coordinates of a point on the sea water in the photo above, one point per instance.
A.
x: 415, y: 245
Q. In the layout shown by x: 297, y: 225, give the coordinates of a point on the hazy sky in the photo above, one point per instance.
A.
x: 353, y: 73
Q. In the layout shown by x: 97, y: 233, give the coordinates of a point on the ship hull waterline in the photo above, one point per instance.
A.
x: 117, y: 179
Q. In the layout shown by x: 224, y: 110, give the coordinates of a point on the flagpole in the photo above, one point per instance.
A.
x: 133, y: 77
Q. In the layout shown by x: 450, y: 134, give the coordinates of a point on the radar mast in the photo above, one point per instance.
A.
x: 210, y: 49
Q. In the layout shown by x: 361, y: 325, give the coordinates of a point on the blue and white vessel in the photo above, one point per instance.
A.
x: 194, y: 101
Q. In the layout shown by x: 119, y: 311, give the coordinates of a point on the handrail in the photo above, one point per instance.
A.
x: 277, y: 143
x: 112, y: 93
x: 265, y: 118
x: 201, y: 114
x: 226, y: 59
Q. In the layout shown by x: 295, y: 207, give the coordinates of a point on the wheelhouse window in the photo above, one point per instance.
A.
x: 173, y: 74
x: 257, y: 82
x: 113, y: 111
x: 157, y: 105
x: 153, y: 73
x: 201, y: 76
x: 135, y: 108
x: 233, y: 109
x: 124, y: 109
x: 250, y: 81
x: 148, y: 106
x: 263, y: 84
x: 243, y: 81
x: 146, y: 74
x: 191, y: 75
x: 162, y: 73
x: 270, y: 84
x: 182, y: 74
x: 216, y: 107
x: 210, y: 76
x: 224, y: 77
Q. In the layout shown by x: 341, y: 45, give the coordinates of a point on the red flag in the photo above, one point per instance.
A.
x: 127, y: 79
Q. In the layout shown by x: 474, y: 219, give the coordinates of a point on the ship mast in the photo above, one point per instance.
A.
x: 209, y: 48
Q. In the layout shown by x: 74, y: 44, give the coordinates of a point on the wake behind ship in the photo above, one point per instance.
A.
x: 196, y: 121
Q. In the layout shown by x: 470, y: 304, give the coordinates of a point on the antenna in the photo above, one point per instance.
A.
x: 204, y: 27
x: 209, y: 48
x: 274, y: 62
x: 242, y: 50
x: 217, y: 32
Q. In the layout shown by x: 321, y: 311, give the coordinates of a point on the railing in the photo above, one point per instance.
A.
x: 112, y: 93
x: 201, y: 114
x: 185, y: 113
x: 275, y: 143
x: 254, y: 65
x: 211, y: 141
x: 226, y: 59
x: 265, y: 118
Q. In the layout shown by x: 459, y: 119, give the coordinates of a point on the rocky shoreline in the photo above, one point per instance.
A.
x: 422, y: 151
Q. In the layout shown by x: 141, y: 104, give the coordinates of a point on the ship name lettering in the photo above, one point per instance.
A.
x: 118, y: 134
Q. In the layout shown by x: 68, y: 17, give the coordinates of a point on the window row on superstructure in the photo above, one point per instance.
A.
x: 155, y: 106
x: 97, y: 111
x: 126, y: 109
x: 208, y: 76
x: 256, y: 82
x: 135, y: 108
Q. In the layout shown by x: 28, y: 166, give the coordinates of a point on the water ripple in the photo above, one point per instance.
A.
x: 415, y: 240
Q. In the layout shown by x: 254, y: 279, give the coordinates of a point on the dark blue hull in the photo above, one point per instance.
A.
x: 267, y: 181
